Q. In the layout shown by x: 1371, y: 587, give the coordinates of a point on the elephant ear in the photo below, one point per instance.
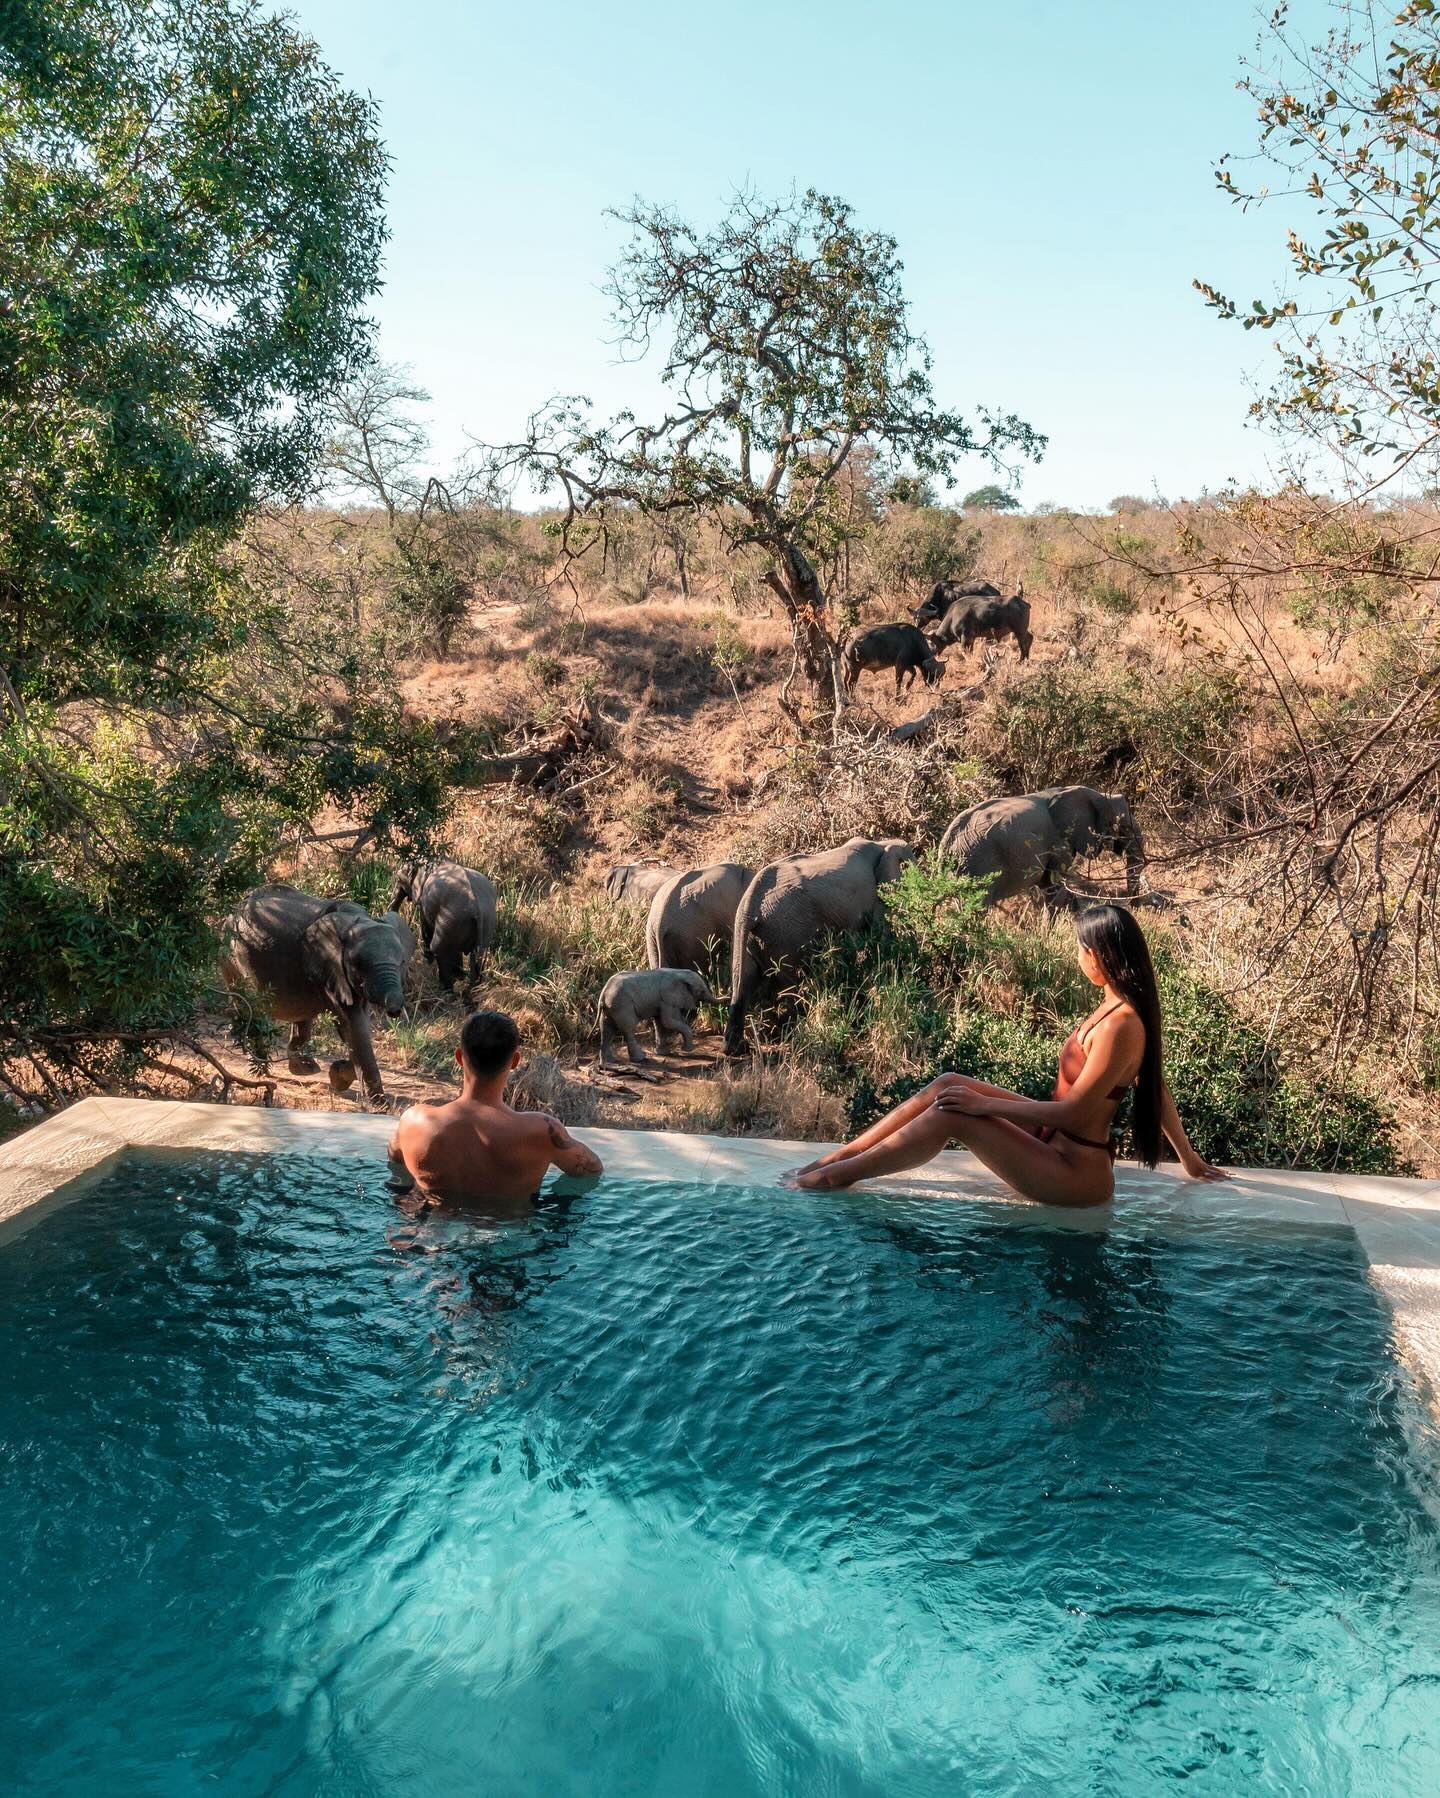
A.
x: 322, y: 955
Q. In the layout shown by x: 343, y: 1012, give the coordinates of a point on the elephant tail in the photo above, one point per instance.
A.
x: 744, y: 977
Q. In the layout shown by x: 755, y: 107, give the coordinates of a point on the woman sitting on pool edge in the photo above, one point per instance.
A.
x: 1057, y: 1151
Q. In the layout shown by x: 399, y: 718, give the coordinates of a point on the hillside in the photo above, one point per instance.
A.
x: 688, y: 758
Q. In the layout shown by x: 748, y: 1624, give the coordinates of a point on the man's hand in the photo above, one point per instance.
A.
x: 569, y: 1156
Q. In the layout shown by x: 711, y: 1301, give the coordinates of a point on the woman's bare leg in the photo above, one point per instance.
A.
x: 1037, y: 1170
x: 905, y: 1144
x: 903, y: 1114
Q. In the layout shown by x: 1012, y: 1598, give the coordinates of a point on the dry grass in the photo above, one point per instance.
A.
x: 777, y: 1100
x: 825, y: 795
x: 541, y: 1084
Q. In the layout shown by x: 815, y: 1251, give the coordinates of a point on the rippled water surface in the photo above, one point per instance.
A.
x: 697, y: 1493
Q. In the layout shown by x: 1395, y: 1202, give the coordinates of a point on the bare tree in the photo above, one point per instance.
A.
x: 443, y: 538
x: 1338, y: 839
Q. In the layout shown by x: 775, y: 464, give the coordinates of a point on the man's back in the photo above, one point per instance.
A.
x: 469, y: 1149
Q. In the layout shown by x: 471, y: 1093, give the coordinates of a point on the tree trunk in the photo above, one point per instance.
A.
x: 803, y: 597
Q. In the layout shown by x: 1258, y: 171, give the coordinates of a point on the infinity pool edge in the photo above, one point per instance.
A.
x: 1397, y: 1222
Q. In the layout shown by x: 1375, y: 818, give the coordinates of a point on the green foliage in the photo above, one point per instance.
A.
x: 991, y: 498
x: 544, y: 669
x: 1095, y: 723
x: 1239, y: 1103
x: 1352, y: 575
x: 911, y: 490
x: 1110, y: 596
x: 564, y: 948
x: 921, y: 545
x: 444, y: 550
x: 1353, y: 123
x: 729, y: 652
x: 193, y: 226
x: 787, y: 332
x: 936, y: 915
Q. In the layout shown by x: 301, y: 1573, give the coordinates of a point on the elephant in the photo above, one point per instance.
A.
x: 305, y: 956
x: 790, y: 905
x: 666, y: 997
x: 1032, y: 839
x: 636, y: 883
x: 690, y: 911
x: 456, y: 909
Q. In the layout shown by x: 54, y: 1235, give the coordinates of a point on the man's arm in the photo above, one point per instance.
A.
x: 569, y: 1156
x: 401, y: 1179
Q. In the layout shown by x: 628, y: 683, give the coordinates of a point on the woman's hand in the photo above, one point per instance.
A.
x: 965, y: 1101
x: 1197, y: 1168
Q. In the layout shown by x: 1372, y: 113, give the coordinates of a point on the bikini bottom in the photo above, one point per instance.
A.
x: 1086, y: 1142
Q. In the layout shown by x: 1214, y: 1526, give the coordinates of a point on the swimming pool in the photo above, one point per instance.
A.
x: 699, y: 1490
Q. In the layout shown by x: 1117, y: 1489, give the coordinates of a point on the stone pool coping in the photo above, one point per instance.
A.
x: 1397, y: 1222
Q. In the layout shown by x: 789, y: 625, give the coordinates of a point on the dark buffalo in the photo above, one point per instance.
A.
x: 902, y: 647
x: 944, y: 594
x: 970, y: 620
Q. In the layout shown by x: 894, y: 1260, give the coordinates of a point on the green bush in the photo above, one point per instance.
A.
x: 1110, y: 596
x: 936, y: 914
x: 1095, y: 724
x: 1239, y: 1103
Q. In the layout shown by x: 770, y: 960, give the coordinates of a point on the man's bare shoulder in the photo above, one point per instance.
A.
x: 428, y: 1115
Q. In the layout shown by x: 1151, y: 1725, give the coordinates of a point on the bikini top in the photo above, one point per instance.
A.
x: 1072, y: 1058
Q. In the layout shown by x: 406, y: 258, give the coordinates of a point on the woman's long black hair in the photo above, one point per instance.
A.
x: 1117, y: 942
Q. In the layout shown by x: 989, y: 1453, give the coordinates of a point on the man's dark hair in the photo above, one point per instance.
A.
x: 487, y: 1041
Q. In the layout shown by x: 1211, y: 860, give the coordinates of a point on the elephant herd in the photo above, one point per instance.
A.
x: 307, y: 956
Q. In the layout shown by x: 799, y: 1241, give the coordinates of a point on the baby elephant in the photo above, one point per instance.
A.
x: 665, y: 997
x: 902, y: 647
x: 457, y: 914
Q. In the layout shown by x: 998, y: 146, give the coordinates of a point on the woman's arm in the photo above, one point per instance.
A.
x: 973, y: 1102
x: 1116, y: 1046
x: 1195, y: 1165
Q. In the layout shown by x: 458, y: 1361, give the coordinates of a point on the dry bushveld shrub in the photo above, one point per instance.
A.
x: 859, y: 789
x: 541, y: 1084
x: 781, y: 1100
x: 513, y: 836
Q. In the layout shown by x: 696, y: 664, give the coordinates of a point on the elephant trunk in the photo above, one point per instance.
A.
x: 389, y: 992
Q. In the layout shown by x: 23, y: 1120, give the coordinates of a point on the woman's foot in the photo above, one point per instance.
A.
x: 827, y: 1160
x: 816, y: 1178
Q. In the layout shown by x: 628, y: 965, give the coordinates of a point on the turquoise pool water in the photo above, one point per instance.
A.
x: 694, y: 1493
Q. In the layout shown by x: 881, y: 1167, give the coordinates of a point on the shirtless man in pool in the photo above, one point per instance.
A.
x: 476, y: 1146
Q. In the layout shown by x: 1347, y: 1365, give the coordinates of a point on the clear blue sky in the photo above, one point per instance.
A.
x: 1045, y: 166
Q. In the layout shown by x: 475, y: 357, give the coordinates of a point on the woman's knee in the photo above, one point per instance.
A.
x: 945, y: 1083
